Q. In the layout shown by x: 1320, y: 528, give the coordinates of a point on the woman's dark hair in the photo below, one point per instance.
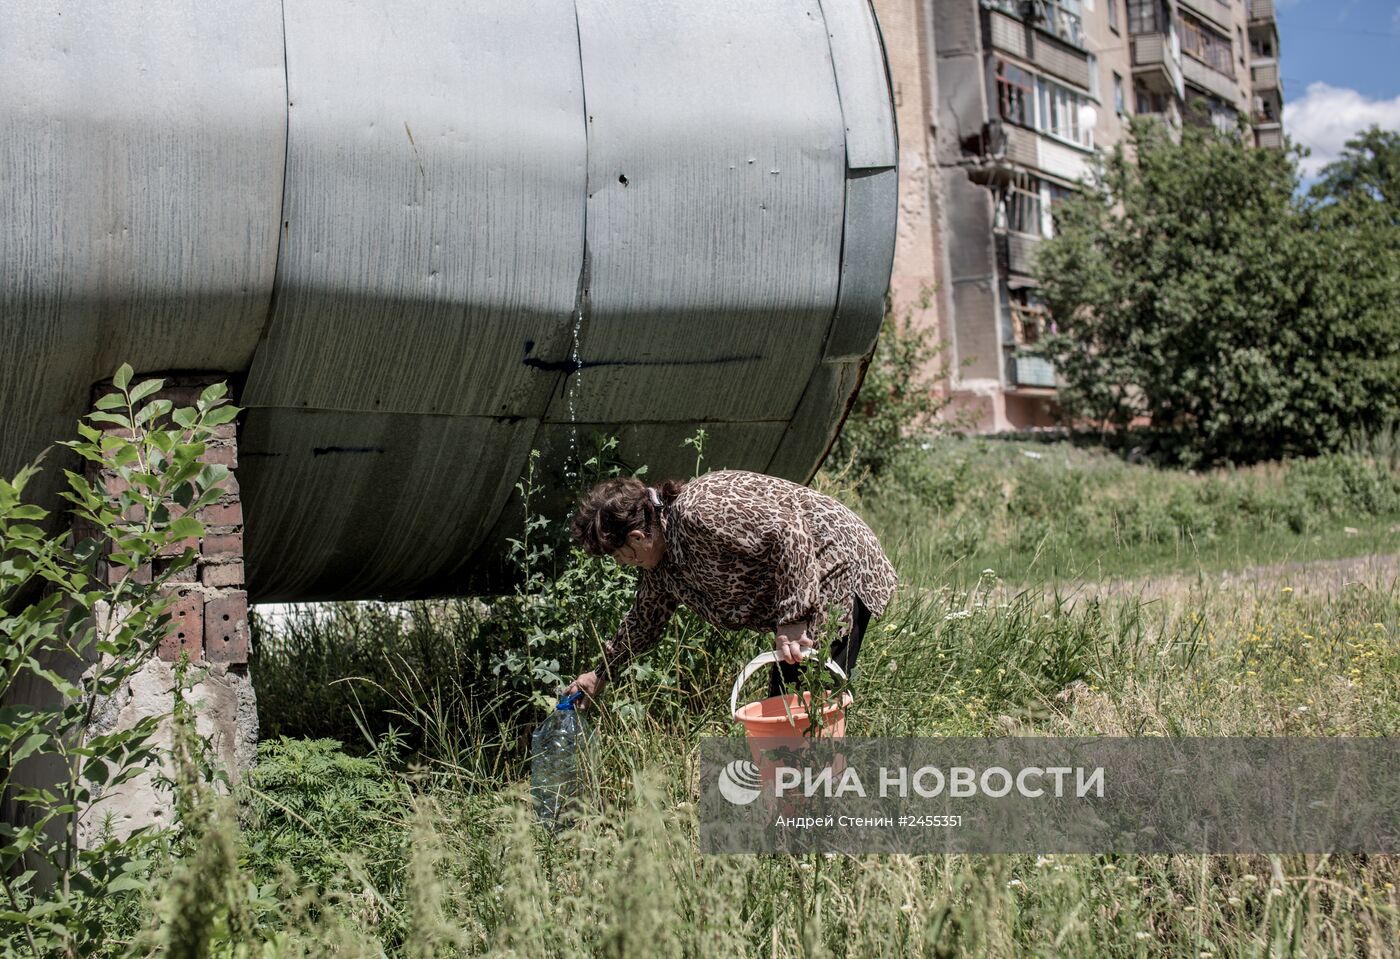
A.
x: 614, y: 508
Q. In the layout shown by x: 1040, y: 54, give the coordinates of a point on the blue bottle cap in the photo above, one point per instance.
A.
x: 568, y: 701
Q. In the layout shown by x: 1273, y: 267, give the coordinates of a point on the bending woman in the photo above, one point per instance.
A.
x: 744, y: 551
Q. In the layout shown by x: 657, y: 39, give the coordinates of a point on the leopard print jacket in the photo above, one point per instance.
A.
x: 749, y: 551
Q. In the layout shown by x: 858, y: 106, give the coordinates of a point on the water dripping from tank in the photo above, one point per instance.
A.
x: 575, y: 378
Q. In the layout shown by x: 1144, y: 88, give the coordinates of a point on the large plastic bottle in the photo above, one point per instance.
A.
x: 555, y: 752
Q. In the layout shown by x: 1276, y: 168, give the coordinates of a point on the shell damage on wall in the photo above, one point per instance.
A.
x: 422, y: 240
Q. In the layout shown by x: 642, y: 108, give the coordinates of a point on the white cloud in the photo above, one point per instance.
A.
x: 1327, y: 116
x: 1395, y: 18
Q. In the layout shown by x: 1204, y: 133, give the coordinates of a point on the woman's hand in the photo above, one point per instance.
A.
x: 791, y: 640
x: 592, y: 685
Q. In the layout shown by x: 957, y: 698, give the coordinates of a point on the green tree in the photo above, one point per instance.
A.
x: 1193, y: 288
x: 58, y: 613
x: 898, y: 397
x: 1367, y: 172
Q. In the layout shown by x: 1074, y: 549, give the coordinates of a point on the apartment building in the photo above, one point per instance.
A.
x: 1002, y: 106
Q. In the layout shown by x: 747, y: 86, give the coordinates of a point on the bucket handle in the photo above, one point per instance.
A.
x: 766, y: 659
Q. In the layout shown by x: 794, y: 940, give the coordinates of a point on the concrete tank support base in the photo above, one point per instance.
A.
x: 209, y: 621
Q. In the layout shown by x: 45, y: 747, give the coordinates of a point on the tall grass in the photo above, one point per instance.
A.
x: 1037, y: 511
x: 423, y: 843
x: 475, y: 877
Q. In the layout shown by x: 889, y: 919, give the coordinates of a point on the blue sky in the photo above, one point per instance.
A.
x: 1340, y: 62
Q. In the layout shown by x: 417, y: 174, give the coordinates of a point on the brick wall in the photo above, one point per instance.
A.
x: 209, y: 614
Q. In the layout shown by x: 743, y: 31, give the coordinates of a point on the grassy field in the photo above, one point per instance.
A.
x: 1042, y: 512
x: 481, y: 880
x: 409, y: 833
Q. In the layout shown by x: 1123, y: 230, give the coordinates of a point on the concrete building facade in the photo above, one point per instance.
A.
x: 1002, y: 108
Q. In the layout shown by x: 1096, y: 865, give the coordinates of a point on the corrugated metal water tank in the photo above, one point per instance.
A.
x: 422, y: 239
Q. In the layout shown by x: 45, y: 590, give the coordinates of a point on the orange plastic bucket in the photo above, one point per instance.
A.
x: 782, y: 716
x: 786, y: 715
x: 779, y: 725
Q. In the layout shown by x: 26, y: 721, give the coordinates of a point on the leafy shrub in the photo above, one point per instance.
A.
x: 899, y: 398
x: 1338, y: 483
x: 450, y: 675
x: 64, y: 898
x: 311, y: 809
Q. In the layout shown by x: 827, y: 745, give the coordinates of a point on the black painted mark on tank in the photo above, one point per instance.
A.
x: 622, y: 178
x: 572, y: 365
x: 323, y: 450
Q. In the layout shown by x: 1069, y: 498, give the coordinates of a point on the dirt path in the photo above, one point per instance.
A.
x: 1319, y: 577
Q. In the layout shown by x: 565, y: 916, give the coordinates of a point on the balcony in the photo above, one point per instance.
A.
x: 1045, y: 15
x: 1169, y: 116
x: 1031, y: 371
x: 1154, y: 64
x: 1062, y: 24
x: 1212, y: 11
x: 1261, y: 11
x: 1264, y: 74
x: 1210, y: 80
x: 1048, y: 47
x: 1021, y: 147
x: 1016, y: 251
x: 1269, y: 135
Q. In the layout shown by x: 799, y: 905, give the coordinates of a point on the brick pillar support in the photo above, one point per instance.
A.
x: 209, y: 621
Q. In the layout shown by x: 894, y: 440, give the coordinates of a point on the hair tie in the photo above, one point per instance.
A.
x: 654, y: 496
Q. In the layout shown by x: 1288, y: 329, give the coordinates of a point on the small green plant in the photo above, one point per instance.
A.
x: 205, y: 908
x: 899, y: 399
x: 330, y: 818
x: 77, y: 638
x: 565, y: 603
x: 697, y: 443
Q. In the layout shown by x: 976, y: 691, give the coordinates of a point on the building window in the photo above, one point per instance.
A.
x: 1113, y: 15
x: 1053, y: 195
x: 1030, y: 320
x: 1212, y: 110
x: 1015, y: 94
x: 1093, y: 62
x: 1239, y: 35
x: 1120, y: 100
x: 1204, y: 44
x: 1059, y: 111
x: 1028, y: 100
x: 1149, y: 101
x: 1022, y: 206
x: 1065, y: 19
x: 1261, y: 49
x: 1146, y: 16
